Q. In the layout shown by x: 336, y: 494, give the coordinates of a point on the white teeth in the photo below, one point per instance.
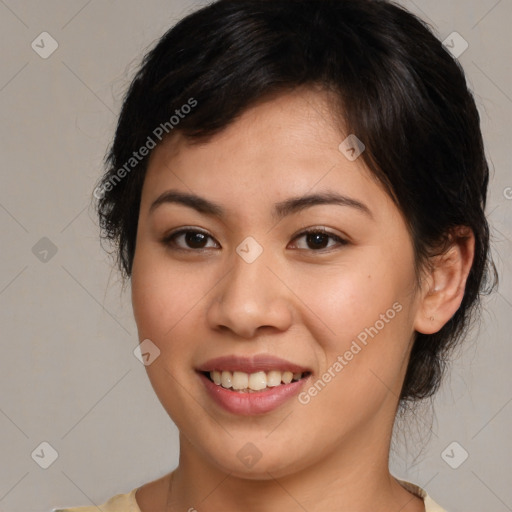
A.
x: 287, y: 377
x: 257, y: 381
x: 226, y: 379
x: 273, y: 378
x: 241, y: 381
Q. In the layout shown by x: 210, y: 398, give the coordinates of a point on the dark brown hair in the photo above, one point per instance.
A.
x: 396, y: 87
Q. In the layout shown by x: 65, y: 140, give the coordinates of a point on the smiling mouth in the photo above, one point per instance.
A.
x: 253, y: 382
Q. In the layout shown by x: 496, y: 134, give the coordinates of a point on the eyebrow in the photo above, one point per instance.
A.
x: 281, y: 209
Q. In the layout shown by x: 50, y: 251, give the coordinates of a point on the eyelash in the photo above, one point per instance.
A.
x: 169, y: 240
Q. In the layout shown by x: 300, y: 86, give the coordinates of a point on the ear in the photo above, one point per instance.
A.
x: 445, y: 282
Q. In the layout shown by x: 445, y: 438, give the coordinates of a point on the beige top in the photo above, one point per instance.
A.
x: 127, y: 503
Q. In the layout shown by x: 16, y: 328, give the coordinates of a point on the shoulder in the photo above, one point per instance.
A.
x: 150, y: 496
x: 127, y: 502
x: 430, y: 504
x: 118, y: 503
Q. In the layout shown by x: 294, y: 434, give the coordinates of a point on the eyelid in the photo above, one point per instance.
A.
x: 168, y: 238
x: 340, y: 239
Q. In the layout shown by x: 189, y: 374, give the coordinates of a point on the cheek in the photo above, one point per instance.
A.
x: 164, y: 299
x: 363, y: 315
x: 162, y: 294
x: 351, y: 297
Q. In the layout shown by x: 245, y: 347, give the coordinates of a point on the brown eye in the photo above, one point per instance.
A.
x: 187, y: 239
x: 318, y: 239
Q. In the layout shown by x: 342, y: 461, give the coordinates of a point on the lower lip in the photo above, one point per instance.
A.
x: 248, y: 404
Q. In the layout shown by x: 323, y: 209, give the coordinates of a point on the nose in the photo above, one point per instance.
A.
x: 249, y: 300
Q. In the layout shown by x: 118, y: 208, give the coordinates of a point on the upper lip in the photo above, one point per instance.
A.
x: 257, y: 363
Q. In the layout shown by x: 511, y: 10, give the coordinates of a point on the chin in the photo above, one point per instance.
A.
x: 257, y: 461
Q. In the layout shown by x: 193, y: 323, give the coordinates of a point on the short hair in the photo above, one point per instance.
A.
x: 393, y: 84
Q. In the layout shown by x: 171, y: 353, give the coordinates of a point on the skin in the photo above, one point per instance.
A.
x: 294, y: 301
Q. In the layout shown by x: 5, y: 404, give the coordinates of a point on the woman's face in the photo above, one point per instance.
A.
x: 246, y: 291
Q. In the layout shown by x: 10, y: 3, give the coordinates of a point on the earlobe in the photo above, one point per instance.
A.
x: 446, y: 282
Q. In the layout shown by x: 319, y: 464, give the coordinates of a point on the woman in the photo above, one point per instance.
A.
x: 296, y: 190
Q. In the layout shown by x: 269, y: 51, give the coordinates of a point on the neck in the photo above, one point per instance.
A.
x: 353, y: 477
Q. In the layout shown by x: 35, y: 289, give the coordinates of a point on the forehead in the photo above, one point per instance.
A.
x: 277, y: 122
x: 284, y: 146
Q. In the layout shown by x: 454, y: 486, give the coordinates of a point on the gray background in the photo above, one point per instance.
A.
x: 68, y: 375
